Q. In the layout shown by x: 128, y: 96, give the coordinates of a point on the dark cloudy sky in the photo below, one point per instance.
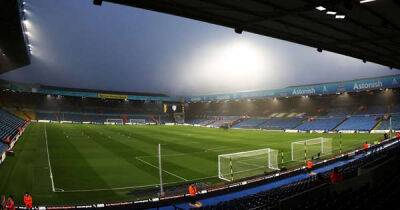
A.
x: 77, y: 44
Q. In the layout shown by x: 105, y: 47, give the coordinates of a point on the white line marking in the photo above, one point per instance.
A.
x: 48, y: 160
x: 58, y: 190
x: 162, y: 170
x: 216, y: 148
x: 186, y: 154
x: 134, y: 187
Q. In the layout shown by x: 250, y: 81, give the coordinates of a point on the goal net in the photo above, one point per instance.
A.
x: 114, y: 121
x: 246, y: 164
x: 311, y: 148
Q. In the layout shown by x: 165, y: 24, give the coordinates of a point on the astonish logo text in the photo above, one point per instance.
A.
x: 368, y: 85
x: 303, y: 91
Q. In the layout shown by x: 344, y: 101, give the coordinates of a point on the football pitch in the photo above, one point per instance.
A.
x: 83, y: 164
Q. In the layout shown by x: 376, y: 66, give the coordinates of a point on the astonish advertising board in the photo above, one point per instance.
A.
x: 317, y: 89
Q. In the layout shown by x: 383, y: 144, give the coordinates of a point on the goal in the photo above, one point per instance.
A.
x: 114, y: 121
x: 311, y: 148
x: 246, y: 164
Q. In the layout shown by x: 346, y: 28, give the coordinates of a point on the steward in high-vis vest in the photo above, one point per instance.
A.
x: 28, y: 201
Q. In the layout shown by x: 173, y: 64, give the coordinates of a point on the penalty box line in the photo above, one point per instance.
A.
x: 170, y: 173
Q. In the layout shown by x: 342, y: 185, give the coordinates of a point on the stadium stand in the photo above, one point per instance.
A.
x: 3, y: 148
x: 338, y: 112
x: 281, y: 123
x: 385, y: 124
x: 10, y: 127
x: 195, y: 121
x: 371, y: 110
x: 324, y: 124
x: 95, y: 117
x: 223, y: 120
x: 395, y: 109
x: 206, y: 122
x: 250, y: 123
x: 360, y: 123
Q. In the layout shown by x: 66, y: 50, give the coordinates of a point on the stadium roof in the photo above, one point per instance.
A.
x: 102, y: 91
x: 89, y: 93
x: 13, y: 49
x: 369, y: 31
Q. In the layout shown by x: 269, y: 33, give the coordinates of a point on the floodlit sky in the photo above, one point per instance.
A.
x: 113, y: 47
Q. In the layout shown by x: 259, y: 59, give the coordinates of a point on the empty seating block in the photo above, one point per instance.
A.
x: 224, y: 120
x: 325, y: 124
x: 250, y: 123
x: 281, y: 123
x: 385, y: 125
x: 360, y: 123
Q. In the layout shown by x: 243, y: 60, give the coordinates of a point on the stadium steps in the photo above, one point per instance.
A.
x: 300, y: 123
x: 344, y: 120
x: 237, y: 121
x: 154, y: 119
x: 211, y: 122
x: 29, y: 115
x: 377, y: 125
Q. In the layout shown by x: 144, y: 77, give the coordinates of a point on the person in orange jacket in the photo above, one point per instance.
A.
x: 309, y: 166
x: 365, y: 146
x: 28, y: 201
x: 192, y: 192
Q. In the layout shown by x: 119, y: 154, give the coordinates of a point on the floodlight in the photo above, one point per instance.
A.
x: 365, y: 1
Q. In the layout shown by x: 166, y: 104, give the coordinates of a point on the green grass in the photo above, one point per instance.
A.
x: 89, y: 161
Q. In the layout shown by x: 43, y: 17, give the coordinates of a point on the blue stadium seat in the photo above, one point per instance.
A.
x: 250, y: 123
x: 385, y: 125
x: 281, y: 123
x: 9, y: 127
x: 360, y: 123
x: 325, y: 124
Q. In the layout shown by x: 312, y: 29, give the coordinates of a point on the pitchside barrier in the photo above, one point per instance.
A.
x: 137, y: 121
x: 114, y: 121
x: 246, y: 164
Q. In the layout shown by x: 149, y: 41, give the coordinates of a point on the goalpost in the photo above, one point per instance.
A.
x: 306, y: 149
x: 245, y: 164
x: 115, y: 121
